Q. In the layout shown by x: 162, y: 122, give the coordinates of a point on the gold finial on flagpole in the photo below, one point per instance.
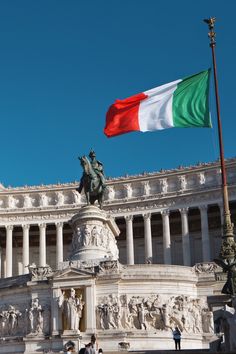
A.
x: 211, y: 34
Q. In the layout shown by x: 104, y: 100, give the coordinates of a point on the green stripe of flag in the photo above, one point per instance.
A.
x: 191, y: 102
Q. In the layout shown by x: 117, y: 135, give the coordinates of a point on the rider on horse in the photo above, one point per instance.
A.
x: 98, y: 168
x: 93, y: 179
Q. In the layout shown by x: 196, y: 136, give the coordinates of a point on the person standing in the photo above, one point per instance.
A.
x: 177, y: 338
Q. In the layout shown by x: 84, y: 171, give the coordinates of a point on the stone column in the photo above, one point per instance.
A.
x: 148, y: 237
x: 56, y: 316
x: 206, y: 256
x: 59, y: 243
x: 9, y: 229
x: 185, y: 237
x: 89, y: 308
x: 129, y: 239
x: 42, y: 245
x: 166, y: 236
x: 25, y: 260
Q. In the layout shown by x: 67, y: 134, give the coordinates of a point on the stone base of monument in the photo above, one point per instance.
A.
x: 36, y: 344
x: 71, y: 337
x: 94, y: 233
x: 71, y: 333
x: 130, y: 307
x: 142, y: 340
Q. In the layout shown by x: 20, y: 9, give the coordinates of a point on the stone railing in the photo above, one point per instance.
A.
x: 158, y: 185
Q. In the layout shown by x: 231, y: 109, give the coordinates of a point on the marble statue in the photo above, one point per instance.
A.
x: 182, y: 183
x: 72, y: 307
x: 129, y: 190
x: 27, y: 201
x: 146, y: 188
x: 111, y: 192
x: 77, y: 197
x: 35, y: 317
x: 163, y: 185
x: 43, y: 200
x: 60, y: 198
x: 9, y: 321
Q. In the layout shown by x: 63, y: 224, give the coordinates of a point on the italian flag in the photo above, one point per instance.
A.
x: 182, y: 103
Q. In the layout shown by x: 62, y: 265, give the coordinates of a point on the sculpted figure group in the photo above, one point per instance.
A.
x: 33, y: 321
x: 191, y: 315
x: 9, y: 321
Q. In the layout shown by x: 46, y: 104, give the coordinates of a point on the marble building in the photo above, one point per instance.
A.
x: 165, y: 217
x: 155, y: 273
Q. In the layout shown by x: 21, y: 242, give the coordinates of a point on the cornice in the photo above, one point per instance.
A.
x: 200, y: 167
x: 174, y: 189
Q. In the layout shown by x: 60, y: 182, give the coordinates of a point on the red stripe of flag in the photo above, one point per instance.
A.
x: 122, y: 116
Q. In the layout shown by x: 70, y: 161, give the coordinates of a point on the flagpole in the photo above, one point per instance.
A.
x: 228, y: 247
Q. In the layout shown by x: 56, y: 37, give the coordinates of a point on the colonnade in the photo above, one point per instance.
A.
x: 206, y: 256
x: 26, y: 248
x: 165, y: 214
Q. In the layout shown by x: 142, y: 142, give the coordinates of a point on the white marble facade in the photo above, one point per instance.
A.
x: 156, y: 212
x: 133, y: 305
x: 170, y: 223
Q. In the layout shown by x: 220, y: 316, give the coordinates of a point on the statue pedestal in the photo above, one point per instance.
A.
x: 94, y: 233
x: 71, y: 333
x: 71, y: 338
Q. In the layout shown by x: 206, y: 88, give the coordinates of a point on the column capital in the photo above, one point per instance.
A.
x: 165, y: 212
x: 42, y: 225
x: 129, y: 217
x: 184, y: 210
x: 59, y: 224
x: 203, y: 208
x: 25, y: 226
x: 147, y: 216
x: 9, y: 227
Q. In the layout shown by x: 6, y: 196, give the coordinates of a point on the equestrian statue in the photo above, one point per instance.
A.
x: 93, y: 179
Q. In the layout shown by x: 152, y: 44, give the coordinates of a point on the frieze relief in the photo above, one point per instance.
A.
x: 18, y: 219
x: 10, y: 321
x: 40, y: 200
x: 96, y: 236
x: 156, y: 312
x: 31, y: 320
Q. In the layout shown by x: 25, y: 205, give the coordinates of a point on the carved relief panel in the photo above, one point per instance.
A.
x: 191, y: 315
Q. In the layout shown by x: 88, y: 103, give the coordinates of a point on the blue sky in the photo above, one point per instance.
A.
x: 63, y: 62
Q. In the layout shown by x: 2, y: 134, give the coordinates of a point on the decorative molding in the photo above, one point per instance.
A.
x: 192, y: 186
x: 206, y: 267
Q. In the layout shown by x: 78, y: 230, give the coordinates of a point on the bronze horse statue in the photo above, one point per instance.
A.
x: 91, y: 183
